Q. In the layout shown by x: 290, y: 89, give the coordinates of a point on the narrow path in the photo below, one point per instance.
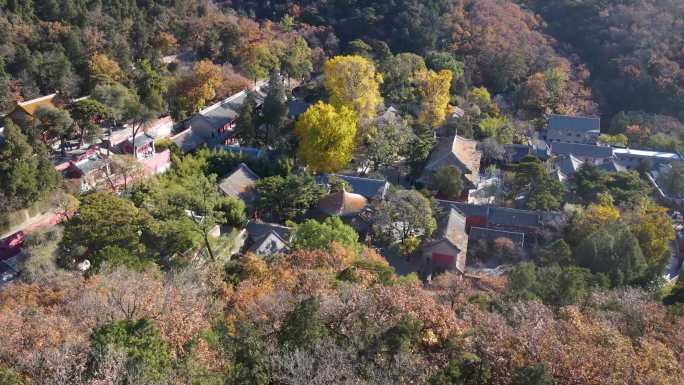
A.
x: 39, y: 221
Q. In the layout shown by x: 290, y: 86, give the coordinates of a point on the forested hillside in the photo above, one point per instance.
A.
x: 47, y: 45
x: 500, y: 44
x: 634, y: 50
x: 628, y: 52
x: 327, y: 318
x: 71, y: 46
x: 341, y: 192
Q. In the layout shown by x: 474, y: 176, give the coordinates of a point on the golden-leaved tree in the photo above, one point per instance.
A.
x: 434, y: 91
x: 651, y: 226
x: 192, y: 90
x: 352, y: 82
x: 326, y: 136
x: 102, y: 69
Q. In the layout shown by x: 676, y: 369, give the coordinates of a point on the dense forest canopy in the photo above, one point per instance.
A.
x: 632, y: 48
x: 503, y: 42
x: 406, y: 25
x: 46, y: 45
x: 310, y: 211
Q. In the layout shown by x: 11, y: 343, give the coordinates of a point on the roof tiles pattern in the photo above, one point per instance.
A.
x: 240, y: 184
x: 369, y: 188
x: 581, y: 150
x: 457, y: 151
x: 574, y: 123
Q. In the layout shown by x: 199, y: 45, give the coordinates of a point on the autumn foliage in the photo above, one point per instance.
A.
x: 326, y: 136
x: 613, y: 338
x: 52, y: 320
x: 434, y: 96
x: 352, y: 82
x: 194, y: 89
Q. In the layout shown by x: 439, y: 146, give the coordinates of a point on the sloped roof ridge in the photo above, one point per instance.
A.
x: 244, y: 167
x: 359, y: 177
x: 36, y: 100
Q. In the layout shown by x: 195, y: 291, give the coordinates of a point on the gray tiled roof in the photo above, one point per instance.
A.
x: 89, y: 165
x: 240, y: 184
x: 142, y: 139
x: 497, y: 216
x: 188, y: 140
x: 515, y: 152
x: 246, y: 151
x: 369, y: 188
x: 453, y: 229
x: 269, y: 244
x: 581, y: 150
x: 456, y: 151
x: 568, y: 164
x: 511, y: 217
x: 574, y: 123
x: 226, y: 111
x: 658, y: 156
x: 612, y: 166
x: 223, y: 114
x: 468, y: 209
x: 257, y: 229
x: 209, y: 120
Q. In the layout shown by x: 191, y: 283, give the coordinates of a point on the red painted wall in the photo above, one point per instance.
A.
x: 443, y: 260
x: 475, y: 221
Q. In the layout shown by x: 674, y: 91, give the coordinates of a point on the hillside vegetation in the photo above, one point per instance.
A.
x: 134, y: 285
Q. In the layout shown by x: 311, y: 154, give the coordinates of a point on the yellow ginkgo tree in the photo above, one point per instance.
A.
x: 434, y: 92
x: 352, y: 82
x: 326, y: 137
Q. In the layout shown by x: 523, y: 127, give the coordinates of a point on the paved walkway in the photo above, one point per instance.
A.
x: 35, y: 223
x: 402, y: 266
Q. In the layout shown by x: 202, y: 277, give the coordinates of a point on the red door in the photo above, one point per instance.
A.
x: 443, y: 260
